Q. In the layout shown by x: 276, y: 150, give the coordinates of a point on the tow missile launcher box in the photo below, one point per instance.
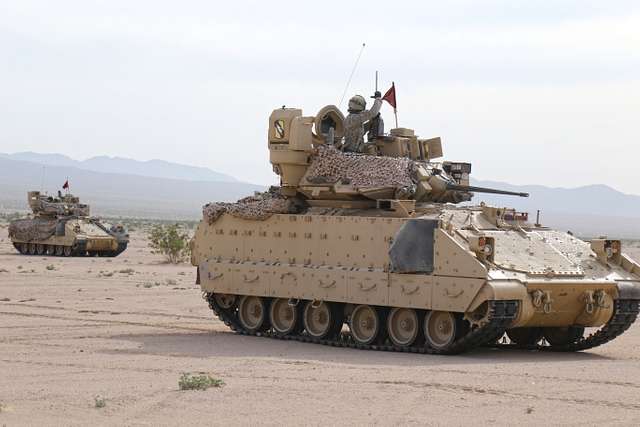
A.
x: 380, y: 242
x: 61, y: 226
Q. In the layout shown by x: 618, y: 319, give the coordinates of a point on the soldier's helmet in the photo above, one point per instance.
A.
x: 357, y: 104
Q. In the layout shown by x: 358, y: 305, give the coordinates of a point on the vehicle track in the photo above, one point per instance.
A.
x: 500, y: 317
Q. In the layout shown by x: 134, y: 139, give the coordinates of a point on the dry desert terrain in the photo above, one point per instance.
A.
x: 123, y: 330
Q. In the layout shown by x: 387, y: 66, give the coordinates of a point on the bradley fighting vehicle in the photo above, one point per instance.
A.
x: 380, y: 243
x: 62, y: 226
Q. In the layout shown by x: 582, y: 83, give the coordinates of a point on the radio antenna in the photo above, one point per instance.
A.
x: 346, y: 88
x: 42, y: 179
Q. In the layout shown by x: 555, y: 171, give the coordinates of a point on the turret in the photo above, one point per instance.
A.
x: 292, y: 138
x: 63, y: 205
x: 304, y: 152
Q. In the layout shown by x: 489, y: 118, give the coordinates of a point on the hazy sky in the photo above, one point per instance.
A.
x: 529, y: 91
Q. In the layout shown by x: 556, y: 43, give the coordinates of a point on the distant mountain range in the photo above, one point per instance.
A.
x: 105, y: 164
x: 117, y: 194
x: 591, y: 199
x: 591, y: 210
x: 174, y: 191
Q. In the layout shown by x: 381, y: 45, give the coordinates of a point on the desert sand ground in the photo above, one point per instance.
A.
x: 71, y: 333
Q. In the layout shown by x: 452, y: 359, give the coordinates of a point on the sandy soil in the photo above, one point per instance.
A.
x: 70, y: 334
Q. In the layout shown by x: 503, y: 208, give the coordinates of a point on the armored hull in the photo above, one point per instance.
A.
x: 424, y: 283
x: 62, y: 227
x: 372, y: 251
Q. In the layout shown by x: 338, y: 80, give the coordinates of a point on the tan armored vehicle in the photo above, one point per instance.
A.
x: 61, y: 226
x: 374, y: 251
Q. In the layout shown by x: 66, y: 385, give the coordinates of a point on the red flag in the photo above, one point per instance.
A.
x: 390, y: 95
x: 65, y: 186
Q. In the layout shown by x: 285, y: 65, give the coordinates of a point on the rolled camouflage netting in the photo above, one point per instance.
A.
x: 59, y: 208
x: 258, y: 207
x: 32, y: 229
x: 330, y: 165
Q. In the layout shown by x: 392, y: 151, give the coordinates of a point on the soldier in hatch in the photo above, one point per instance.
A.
x: 358, y: 122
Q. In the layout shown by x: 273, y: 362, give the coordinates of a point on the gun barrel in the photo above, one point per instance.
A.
x: 472, y: 189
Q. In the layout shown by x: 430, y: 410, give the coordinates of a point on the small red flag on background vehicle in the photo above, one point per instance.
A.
x: 390, y: 95
x: 65, y: 186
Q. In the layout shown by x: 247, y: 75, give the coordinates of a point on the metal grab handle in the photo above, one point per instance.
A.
x: 547, y: 308
x: 404, y: 290
x: 215, y: 276
x: 588, y: 308
x: 367, y: 289
x: 326, y: 286
x: 246, y: 280
x: 601, y: 299
x: 450, y: 295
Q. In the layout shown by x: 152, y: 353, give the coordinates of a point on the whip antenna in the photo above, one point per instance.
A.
x: 346, y: 88
x: 42, y: 179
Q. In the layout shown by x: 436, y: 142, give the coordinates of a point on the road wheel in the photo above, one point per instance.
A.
x: 32, y: 248
x: 67, y: 250
x: 76, y: 251
x: 24, y: 248
x: 50, y: 250
x: 365, y: 324
x: 403, y: 326
x: 563, y: 335
x: 322, y: 320
x: 440, y: 329
x: 225, y: 301
x: 252, y: 314
x: 40, y: 249
x: 59, y: 250
x: 285, y: 318
x: 524, y: 337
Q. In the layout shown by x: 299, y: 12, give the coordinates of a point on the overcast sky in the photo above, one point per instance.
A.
x: 528, y: 91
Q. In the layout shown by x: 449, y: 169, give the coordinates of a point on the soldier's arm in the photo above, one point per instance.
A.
x: 371, y: 113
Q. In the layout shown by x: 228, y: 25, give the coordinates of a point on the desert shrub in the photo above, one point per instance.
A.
x: 100, y: 402
x: 198, y: 382
x: 171, y: 241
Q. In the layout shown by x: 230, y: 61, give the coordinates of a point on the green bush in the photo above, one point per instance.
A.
x: 170, y: 241
x: 100, y: 402
x: 198, y: 382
